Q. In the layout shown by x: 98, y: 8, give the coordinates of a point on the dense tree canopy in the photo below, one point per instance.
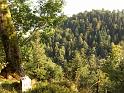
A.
x: 24, y: 19
x: 78, y: 54
x: 91, y: 41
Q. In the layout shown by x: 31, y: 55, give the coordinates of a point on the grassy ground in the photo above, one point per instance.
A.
x: 13, y: 86
x: 9, y: 86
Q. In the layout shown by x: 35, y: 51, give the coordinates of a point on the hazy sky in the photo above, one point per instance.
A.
x: 76, y: 6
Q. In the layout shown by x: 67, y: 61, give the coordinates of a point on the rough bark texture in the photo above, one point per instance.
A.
x: 10, y: 42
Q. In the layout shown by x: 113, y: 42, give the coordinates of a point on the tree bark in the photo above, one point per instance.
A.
x: 10, y: 42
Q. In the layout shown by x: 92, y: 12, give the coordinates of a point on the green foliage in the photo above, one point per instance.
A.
x: 113, y: 67
x: 26, y: 17
x: 22, y: 15
x: 49, y: 11
x: 51, y: 88
x: 39, y: 65
x: 86, y: 50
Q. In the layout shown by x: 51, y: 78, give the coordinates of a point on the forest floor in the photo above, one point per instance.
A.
x: 11, y: 85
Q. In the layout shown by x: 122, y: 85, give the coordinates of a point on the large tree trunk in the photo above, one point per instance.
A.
x: 10, y: 42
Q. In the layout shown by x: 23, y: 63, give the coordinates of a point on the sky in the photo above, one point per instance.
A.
x: 75, y: 6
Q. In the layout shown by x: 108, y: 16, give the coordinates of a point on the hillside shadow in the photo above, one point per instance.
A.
x: 11, y: 87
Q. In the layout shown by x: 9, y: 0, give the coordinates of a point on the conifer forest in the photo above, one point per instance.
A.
x: 82, y: 53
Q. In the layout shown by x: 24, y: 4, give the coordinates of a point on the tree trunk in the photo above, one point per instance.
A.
x: 10, y: 42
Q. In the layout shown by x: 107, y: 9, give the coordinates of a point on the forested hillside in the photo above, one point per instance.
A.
x: 79, y: 54
x: 89, y: 47
x: 98, y: 29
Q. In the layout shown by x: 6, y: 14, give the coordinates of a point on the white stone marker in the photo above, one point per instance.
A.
x: 25, y: 83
